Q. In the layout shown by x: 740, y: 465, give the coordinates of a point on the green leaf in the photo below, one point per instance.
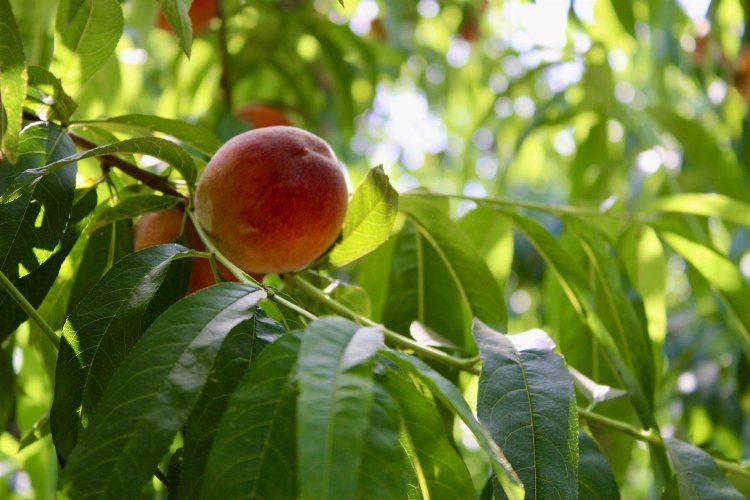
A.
x: 253, y: 453
x: 335, y: 396
x: 526, y: 400
x: 13, y: 78
x: 705, y: 204
x: 132, y: 207
x: 39, y: 430
x: 698, y: 476
x: 104, y: 247
x: 383, y: 473
x: 153, y: 392
x: 154, y: 146
x: 60, y: 104
x: 572, y: 279
x: 191, y: 134
x: 369, y: 218
x: 441, y: 472
x: 595, y: 478
x: 177, y: 14
x: 704, y: 153
x: 37, y: 231
x: 493, y: 237
x: 8, y: 380
x: 50, y: 201
x: 102, y: 330
x: 724, y: 275
x: 87, y: 32
x: 421, y: 289
x: 624, y: 11
x: 475, y: 282
x: 243, y: 344
x: 451, y: 397
x: 622, y: 315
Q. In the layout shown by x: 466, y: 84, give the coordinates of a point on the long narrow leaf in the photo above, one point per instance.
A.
x: 153, y: 392
x: 335, y: 383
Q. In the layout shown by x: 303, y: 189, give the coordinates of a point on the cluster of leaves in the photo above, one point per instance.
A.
x: 243, y: 391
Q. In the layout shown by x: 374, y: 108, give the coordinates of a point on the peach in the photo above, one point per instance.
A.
x: 262, y: 115
x: 201, y: 13
x: 273, y: 199
x: 158, y: 228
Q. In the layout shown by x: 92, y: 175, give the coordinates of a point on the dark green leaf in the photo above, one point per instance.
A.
x: 153, y: 392
x: 383, y: 473
x: 439, y: 467
x: 154, y: 146
x: 243, y: 344
x: 467, y: 268
x: 133, y: 207
x: 698, y: 476
x: 421, y: 289
x: 369, y: 218
x: 104, y: 247
x: 254, y: 450
x: 13, y: 76
x: 335, y: 396
x: 101, y: 331
x: 451, y: 397
x: 176, y: 12
x: 624, y: 11
x: 194, y: 135
x: 36, y: 232
x: 87, y: 32
x: 595, y: 478
x: 526, y: 400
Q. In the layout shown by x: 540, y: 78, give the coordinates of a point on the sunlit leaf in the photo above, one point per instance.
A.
x: 191, y: 134
x: 176, y: 12
x: 13, y: 79
x: 723, y: 275
x: 87, y: 32
x: 154, y: 146
x: 369, y: 218
x: 705, y: 204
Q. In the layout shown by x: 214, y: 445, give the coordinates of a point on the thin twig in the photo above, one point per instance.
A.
x: 225, y: 81
x: 652, y: 437
x: 30, y: 310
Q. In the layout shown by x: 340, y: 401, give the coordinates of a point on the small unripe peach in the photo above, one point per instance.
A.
x: 261, y: 115
x: 158, y: 228
x: 273, y: 199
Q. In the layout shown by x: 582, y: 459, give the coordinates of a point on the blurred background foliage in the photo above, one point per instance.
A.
x: 591, y: 103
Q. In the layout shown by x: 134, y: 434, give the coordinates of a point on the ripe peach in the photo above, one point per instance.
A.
x: 272, y: 199
x: 158, y: 228
x: 201, y: 13
x: 262, y: 115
